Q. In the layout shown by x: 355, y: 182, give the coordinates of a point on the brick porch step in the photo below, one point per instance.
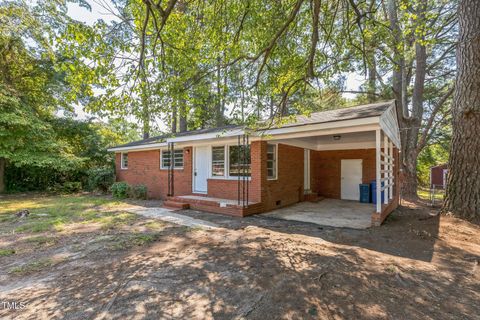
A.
x: 170, y: 204
x: 216, y: 205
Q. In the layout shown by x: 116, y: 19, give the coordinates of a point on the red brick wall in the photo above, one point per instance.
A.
x: 144, y: 168
x: 228, y: 188
x: 326, y: 169
x: 288, y: 188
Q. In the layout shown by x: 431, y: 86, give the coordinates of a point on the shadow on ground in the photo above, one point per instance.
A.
x: 262, y: 268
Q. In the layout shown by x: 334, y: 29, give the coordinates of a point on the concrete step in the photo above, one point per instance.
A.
x: 175, y: 205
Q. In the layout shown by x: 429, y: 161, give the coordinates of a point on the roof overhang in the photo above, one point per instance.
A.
x: 387, y: 121
x: 141, y: 147
x: 207, y: 136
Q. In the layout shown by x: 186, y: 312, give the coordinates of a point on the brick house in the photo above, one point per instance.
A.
x: 239, y: 171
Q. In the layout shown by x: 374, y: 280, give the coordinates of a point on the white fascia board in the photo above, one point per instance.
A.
x: 207, y: 136
x: 143, y: 147
x: 321, y: 126
x: 321, y: 132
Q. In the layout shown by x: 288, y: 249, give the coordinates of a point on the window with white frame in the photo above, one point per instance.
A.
x: 177, y: 159
x: 218, y: 161
x: 239, y: 161
x: 124, y: 160
x: 272, y: 161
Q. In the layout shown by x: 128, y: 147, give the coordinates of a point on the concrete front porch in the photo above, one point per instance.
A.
x: 329, y: 212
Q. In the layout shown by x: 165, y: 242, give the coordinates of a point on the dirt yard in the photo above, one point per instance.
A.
x: 86, y: 257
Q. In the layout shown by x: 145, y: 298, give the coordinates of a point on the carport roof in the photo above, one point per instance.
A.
x: 357, y: 112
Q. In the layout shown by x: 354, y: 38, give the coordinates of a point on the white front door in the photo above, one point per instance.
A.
x: 200, y: 169
x: 351, y: 177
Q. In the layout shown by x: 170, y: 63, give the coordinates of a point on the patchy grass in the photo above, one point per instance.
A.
x: 123, y: 242
x: 42, y: 240
x: 6, y: 252
x: 53, y: 213
x: 424, y: 194
x: 33, y: 266
x: 155, y: 225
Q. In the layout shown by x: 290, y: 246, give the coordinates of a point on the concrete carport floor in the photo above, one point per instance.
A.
x: 328, y: 212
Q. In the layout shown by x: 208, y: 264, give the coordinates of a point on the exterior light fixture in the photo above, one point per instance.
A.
x: 337, y: 137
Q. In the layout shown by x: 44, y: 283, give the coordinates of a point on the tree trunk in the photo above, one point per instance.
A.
x: 2, y: 175
x: 145, y: 117
x: 174, y: 118
x: 463, y: 188
x: 219, y: 121
x: 183, y: 117
x: 372, y: 79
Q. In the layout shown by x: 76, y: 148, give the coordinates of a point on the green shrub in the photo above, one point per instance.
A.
x: 100, y: 178
x: 72, y: 186
x: 138, y: 191
x: 120, y: 189
x: 66, y: 187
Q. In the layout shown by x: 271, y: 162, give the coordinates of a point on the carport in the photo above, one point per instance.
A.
x: 329, y: 212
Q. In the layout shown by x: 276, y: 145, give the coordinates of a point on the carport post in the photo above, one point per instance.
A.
x: 377, y: 169
x: 390, y: 168
x: 386, y: 167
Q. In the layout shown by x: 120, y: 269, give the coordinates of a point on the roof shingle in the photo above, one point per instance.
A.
x: 357, y: 112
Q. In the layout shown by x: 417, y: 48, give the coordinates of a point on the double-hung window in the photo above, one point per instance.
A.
x: 177, y: 159
x: 239, y: 161
x: 218, y: 161
x: 124, y: 160
x: 272, y: 161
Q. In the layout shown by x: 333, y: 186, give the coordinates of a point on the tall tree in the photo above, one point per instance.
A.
x: 31, y: 89
x: 463, y: 188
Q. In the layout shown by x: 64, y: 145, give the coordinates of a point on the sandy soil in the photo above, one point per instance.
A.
x: 416, y: 266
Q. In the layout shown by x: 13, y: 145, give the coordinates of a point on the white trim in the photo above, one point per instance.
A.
x: 194, y: 157
x: 225, y: 155
x: 385, y: 175
x: 378, y: 191
x: 228, y: 176
x: 276, y: 161
x: 206, y: 136
x: 322, y: 126
x: 320, y: 132
x: 174, y: 168
x: 121, y: 161
x: 307, y: 130
x: 390, y: 126
x: 390, y: 168
x: 306, y: 170
x: 143, y: 147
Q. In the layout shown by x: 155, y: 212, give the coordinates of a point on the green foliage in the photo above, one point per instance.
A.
x: 6, y: 252
x: 123, y: 190
x: 120, y: 190
x: 431, y: 156
x: 138, y: 191
x: 72, y: 186
x: 100, y: 178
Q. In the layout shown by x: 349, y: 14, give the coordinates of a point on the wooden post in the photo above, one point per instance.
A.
x: 377, y: 170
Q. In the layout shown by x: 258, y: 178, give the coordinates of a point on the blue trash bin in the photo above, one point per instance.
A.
x: 373, y: 191
x: 364, y: 193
